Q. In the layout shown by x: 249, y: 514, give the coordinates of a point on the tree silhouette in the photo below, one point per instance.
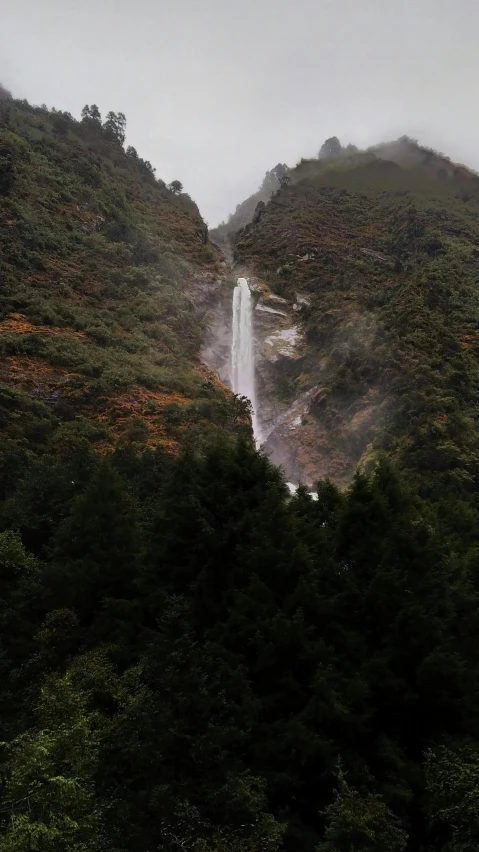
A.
x: 176, y: 187
x: 330, y: 148
x: 115, y: 126
x: 95, y: 114
x: 91, y: 114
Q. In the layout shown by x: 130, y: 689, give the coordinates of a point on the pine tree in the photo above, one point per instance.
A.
x: 357, y: 822
x: 20, y: 591
x: 95, y: 546
x: 91, y: 115
x: 176, y: 187
x: 115, y: 126
x: 170, y: 749
x: 95, y: 114
x: 330, y: 148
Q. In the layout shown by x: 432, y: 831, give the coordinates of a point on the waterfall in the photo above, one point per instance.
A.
x: 242, y: 348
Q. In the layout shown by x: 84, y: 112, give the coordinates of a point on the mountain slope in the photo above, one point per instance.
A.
x: 192, y: 658
x: 245, y: 211
x: 386, y: 252
x: 103, y: 273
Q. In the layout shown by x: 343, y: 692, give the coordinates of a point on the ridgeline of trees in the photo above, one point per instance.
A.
x: 332, y: 148
x: 113, y: 128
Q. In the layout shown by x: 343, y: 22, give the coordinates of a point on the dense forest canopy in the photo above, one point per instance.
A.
x: 192, y: 659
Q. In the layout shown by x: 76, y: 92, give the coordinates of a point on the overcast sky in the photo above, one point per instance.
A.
x: 216, y: 92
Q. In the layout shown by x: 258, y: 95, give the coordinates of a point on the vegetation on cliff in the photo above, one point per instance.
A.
x: 385, y: 245
x: 98, y: 264
x: 192, y: 660
x: 246, y: 210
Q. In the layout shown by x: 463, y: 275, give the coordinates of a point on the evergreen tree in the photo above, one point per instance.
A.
x: 358, y: 822
x: 91, y: 115
x: 95, y: 114
x: 115, y: 126
x: 217, y: 644
x: 7, y: 171
x: 94, y: 548
x: 330, y: 148
x: 20, y: 588
x: 176, y: 187
x: 168, y: 759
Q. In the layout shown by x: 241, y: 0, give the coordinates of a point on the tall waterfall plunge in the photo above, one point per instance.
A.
x: 242, y: 348
x: 242, y: 356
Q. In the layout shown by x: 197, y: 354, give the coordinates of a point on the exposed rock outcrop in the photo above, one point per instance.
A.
x: 278, y: 355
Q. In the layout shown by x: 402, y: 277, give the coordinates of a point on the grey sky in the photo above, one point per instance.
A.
x: 216, y: 92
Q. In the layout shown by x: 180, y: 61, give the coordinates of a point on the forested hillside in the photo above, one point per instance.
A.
x: 191, y: 659
x: 100, y: 313
x: 384, y: 245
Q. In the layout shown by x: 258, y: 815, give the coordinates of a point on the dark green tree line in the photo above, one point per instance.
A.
x: 195, y: 660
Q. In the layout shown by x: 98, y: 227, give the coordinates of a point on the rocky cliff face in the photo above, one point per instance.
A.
x: 279, y: 355
x: 366, y: 315
x: 308, y: 431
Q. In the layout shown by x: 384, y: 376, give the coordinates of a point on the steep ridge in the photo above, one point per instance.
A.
x: 378, y: 254
x: 106, y: 275
x: 246, y: 210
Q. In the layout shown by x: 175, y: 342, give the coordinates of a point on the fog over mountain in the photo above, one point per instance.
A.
x: 216, y: 93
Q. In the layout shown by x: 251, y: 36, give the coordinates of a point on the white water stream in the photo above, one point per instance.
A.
x: 242, y: 356
x: 242, y: 348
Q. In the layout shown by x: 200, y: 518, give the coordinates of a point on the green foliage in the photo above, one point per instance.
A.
x: 330, y: 148
x: 452, y: 781
x: 385, y: 254
x: 95, y: 260
x: 192, y: 650
x: 48, y: 793
x: 176, y: 187
x: 7, y: 173
x: 187, y: 650
x: 358, y: 823
x: 114, y: 126
x: 91, y: 114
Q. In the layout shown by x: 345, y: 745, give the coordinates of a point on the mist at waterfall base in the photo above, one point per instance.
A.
x: 242, y: 356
